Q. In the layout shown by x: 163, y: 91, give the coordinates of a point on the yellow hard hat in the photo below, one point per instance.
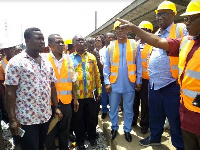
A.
x: 68, y: 41
x: 116, y: 24
x: 192, y: 8
x: 167, y: 5
x: 146, y: 24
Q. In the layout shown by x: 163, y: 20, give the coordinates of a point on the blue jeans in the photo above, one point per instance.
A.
x: 114, y: 100
x: 164, y: 103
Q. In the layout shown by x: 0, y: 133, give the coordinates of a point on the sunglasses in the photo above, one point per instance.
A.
x: 163, y: 14
x: 190, y: 18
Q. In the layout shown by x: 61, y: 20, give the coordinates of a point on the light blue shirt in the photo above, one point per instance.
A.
x: 159, y: 64
x: 123, y: 84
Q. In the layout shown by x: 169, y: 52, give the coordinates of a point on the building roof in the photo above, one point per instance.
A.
x: 140, y: 10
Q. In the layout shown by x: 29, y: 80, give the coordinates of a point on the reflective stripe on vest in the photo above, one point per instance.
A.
x: 191, y: 79
x: 145, y: 56
x: 179, y: 30
x: 64, y: 80
x: 190, y: 93
x: 131, y: 49
x: 65, y: 92
x: 4, y: 62
x: 193, y: 74
x: 176, y: 31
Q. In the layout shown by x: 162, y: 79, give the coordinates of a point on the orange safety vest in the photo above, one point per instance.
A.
x: 64, y: 79
x: 144, y: 56
x: 4, y: 62
x: 131, y: 50
x: 190, y: 85
x: 176, y: 31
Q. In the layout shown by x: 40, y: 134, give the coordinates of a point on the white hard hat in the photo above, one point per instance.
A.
x: 7, y: 44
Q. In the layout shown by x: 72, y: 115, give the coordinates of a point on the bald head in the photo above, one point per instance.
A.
x: 78, y: 42
x: 109, y: 37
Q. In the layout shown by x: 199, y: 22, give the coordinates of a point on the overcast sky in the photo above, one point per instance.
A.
x: 65, y: 17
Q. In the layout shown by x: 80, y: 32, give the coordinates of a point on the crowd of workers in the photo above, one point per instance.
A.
x: 59, y: 93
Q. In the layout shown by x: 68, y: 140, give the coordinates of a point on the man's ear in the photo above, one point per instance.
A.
x: 27, y: 41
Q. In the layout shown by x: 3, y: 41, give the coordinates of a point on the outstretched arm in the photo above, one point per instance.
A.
x: 149, y: 38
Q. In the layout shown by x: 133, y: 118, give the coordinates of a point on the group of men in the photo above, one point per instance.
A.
x: 166, y: 97
x: 40, y: 88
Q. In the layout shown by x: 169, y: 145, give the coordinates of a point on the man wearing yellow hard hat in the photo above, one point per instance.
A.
x: 187, y: 49
x: 122, y: 72
x: 143, y: 93
x: 162, y: 73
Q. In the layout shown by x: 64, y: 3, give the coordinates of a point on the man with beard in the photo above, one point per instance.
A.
x: 164, y: 92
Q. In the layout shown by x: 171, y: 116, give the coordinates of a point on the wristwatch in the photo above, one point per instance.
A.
x: 56, y: 107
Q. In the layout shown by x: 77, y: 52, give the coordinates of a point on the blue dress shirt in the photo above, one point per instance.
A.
x: 159, y: 64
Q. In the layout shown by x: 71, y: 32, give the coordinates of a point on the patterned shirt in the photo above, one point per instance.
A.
x: 33, y: 94
x: 87, y: 72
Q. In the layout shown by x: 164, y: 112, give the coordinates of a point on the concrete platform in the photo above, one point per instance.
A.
x: 119, y: 143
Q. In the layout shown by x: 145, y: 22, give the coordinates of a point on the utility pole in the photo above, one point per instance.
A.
x: 6, y: 28
x: 95, y: 20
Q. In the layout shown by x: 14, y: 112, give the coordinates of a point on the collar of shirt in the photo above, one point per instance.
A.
x: 55, y: 57
x: 166, y: 30
x: 75, y: 53
x: 25, y: 55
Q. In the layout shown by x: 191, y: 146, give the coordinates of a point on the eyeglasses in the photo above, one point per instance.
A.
x: 190, y: 18
x: 147, y: 30
x: 163, y: 14
x: 120, y: 28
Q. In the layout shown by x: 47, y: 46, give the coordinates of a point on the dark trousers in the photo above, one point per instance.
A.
x: 143, y: 95
x: 61, y: 128
x: 34, y: 137
x: 97, y: 111
x: 164, y: 103
x: 85, y: 120
x: 191, y: 141
x: 72, y: 123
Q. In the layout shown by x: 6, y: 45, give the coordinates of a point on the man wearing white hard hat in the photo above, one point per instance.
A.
x: 8, y: 51
x: 187, y: 49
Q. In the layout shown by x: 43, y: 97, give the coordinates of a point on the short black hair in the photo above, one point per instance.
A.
x: 28, y: 32
x: 102, y: 37
x: 89, y: 39
x: 51, y: 38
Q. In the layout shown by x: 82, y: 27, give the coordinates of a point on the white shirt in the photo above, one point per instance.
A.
x: 58, y: 63
x: 102, y: 53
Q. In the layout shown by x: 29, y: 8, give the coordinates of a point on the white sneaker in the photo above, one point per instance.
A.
x: 166, y: 125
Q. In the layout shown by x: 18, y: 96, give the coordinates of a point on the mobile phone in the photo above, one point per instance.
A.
x: 21, y: 132
x: 95, y: 94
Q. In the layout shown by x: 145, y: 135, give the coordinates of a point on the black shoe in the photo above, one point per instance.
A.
x: 93, y: 143
x: 148, y: 142
x: 144, y: 130
x: 81, y: 147
x: 128, y: 136
x: 113, y: 134
x: 72, y: 137
x: 134, y: 123
x: 103, y: 116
